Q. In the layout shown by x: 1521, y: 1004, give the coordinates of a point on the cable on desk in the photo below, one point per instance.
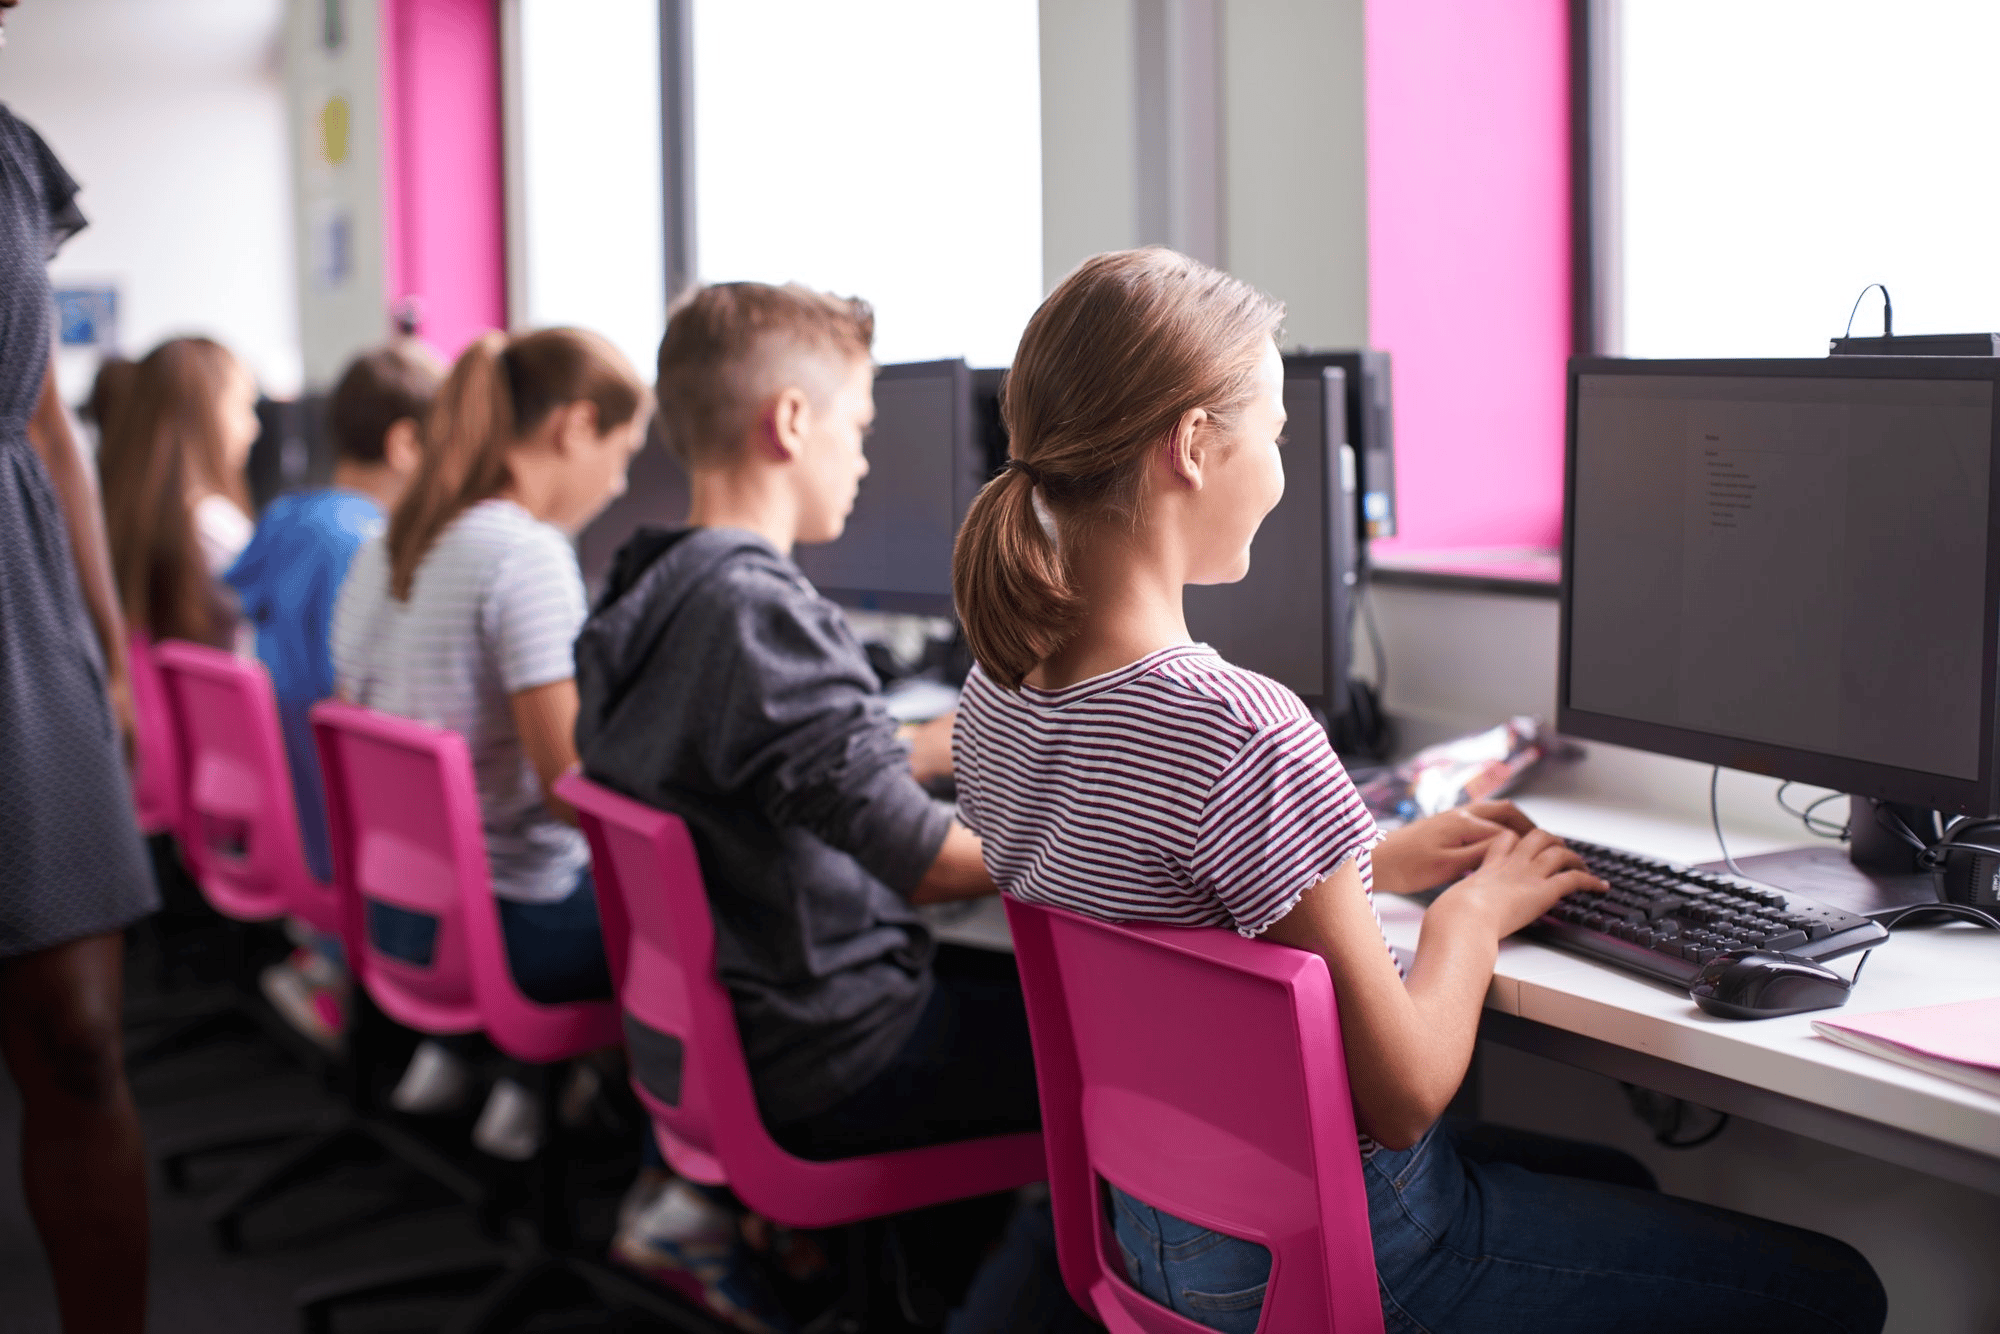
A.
x: 1715, y: 818
x: 1813, y: 823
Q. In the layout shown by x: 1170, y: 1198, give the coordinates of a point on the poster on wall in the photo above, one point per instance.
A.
x: 87, y: 317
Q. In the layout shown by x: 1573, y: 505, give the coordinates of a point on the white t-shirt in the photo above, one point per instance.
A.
x: 223, y: 531
x: 494, y: 610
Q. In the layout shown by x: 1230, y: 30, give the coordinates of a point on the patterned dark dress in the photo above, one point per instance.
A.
x: 71, y: 862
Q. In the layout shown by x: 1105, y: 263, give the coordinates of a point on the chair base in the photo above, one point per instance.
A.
x: 503, y: 1292
x: 319, y: 1147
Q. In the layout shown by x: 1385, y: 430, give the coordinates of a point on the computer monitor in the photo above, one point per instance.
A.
x: 1370, y: 430
x: 925, y: 463
x: 924, y: 467
x: 1288, y: 619
x: 656, y: 494
x: 1788, y: 567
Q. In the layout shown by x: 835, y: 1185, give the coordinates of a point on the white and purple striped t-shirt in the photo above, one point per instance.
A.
x: 1178, y: 789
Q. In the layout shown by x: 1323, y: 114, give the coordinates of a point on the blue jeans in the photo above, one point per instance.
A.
x: 554, y: 950
x: 1486, y: 1230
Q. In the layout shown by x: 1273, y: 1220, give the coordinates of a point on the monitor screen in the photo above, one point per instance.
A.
x: 923, y: 469
x: 1785, y: 567
x: 1287, y: 618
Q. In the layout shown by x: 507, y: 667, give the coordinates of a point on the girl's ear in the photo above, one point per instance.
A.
x: 576, y: 426
x: 1185, y: 454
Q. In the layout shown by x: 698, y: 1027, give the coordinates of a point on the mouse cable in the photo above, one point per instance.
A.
x: 1715, y: 818
x: 1964, y: 912
x: 1888, y: 312
x: 1858, y: 967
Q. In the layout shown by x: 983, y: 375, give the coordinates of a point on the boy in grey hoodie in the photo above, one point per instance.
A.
x: 716, y: 683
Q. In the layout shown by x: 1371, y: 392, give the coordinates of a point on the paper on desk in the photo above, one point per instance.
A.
x: 1960, y: 1041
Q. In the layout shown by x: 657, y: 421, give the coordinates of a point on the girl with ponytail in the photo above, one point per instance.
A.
x: 464, y: 615
x: 1113, y: 767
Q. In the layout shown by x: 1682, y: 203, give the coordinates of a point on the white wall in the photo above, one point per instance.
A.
x: 173, y: 118
x: 342, y: 311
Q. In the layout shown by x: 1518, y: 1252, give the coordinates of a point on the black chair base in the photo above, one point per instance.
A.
x: 330, y: 1142
x: 502, y: 1293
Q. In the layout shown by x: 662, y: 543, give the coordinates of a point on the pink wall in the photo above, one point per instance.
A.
x: 1469, y: 261
x: 443, y: 192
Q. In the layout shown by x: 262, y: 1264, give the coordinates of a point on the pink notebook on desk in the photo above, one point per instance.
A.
x: 1960, y: 1041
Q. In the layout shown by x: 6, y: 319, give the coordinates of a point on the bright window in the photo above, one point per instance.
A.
x: 588, y: 244
x: 888, y: 149
x: 1780, y: 155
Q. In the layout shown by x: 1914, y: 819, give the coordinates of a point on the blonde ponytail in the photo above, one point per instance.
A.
x: 1008, y: 578
x: 465, y: 456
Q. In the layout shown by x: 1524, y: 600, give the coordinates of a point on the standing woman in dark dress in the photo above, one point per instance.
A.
x: 73, y: 873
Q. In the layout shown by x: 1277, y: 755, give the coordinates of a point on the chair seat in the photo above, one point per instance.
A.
x: 660, y: 939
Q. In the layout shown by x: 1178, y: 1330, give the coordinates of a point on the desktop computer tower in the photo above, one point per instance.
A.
x: 292, y: 452
x: 1289, y: 617
x: 1370, y: 428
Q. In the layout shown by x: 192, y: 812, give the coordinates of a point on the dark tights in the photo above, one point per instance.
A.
x: 83, y: 1163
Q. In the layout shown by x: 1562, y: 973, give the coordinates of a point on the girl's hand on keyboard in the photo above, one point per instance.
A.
x: 1440, y: 848
x: 1520, y: 877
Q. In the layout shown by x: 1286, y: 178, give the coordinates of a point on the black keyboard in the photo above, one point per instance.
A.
x: 1666, y: 921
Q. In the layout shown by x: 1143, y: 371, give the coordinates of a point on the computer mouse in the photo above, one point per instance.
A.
x: 1761, y: 984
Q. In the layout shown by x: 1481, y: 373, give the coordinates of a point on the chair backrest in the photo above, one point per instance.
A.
x: 156, y: 773
x: 660, y: 938
x: 403, y: 816
x: 239, y: 828
x: 1202, y: 1073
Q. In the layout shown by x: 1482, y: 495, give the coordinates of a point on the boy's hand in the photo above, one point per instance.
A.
x: 930, y: 747
x: 1520, y: 877
x: 1440, y: 848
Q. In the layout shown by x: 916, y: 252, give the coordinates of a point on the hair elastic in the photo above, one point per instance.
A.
x: 1025, y: 469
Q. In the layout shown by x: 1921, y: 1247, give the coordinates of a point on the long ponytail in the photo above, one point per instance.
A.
x: 1126, y: 345
x: 498, y: 392
x: 471, y: 425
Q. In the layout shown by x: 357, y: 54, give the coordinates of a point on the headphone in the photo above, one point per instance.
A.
x: 1968, y: 855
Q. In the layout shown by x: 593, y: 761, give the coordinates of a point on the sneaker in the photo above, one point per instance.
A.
x: 579, y: 1096
x: 307, y: 991
x: 640, y: 1196
x: 690, y: 1245
x: 510, y: 1125
x: 436, y: 1083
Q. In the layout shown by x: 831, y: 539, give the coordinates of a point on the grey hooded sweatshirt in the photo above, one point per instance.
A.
x: 716, y: 683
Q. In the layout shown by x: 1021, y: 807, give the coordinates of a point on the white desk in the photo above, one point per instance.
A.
x: 1570, y: 1009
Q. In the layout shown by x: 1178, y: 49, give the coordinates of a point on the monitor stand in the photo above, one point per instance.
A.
x: 1874, y: 874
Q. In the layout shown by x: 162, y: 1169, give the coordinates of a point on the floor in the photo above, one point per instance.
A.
x: 359, y: 1217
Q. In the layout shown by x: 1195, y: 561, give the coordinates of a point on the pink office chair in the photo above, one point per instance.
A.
x: 238, y: 828
x: 402, y: 809
x: 660, y: 941
x: 156, y: 776
x: 1203, y: 1074
x: 239, y: 836
x: 405, y: 829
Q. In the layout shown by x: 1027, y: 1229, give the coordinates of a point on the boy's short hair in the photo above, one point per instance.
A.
x: 379, y: 388
x: 730, y: 346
